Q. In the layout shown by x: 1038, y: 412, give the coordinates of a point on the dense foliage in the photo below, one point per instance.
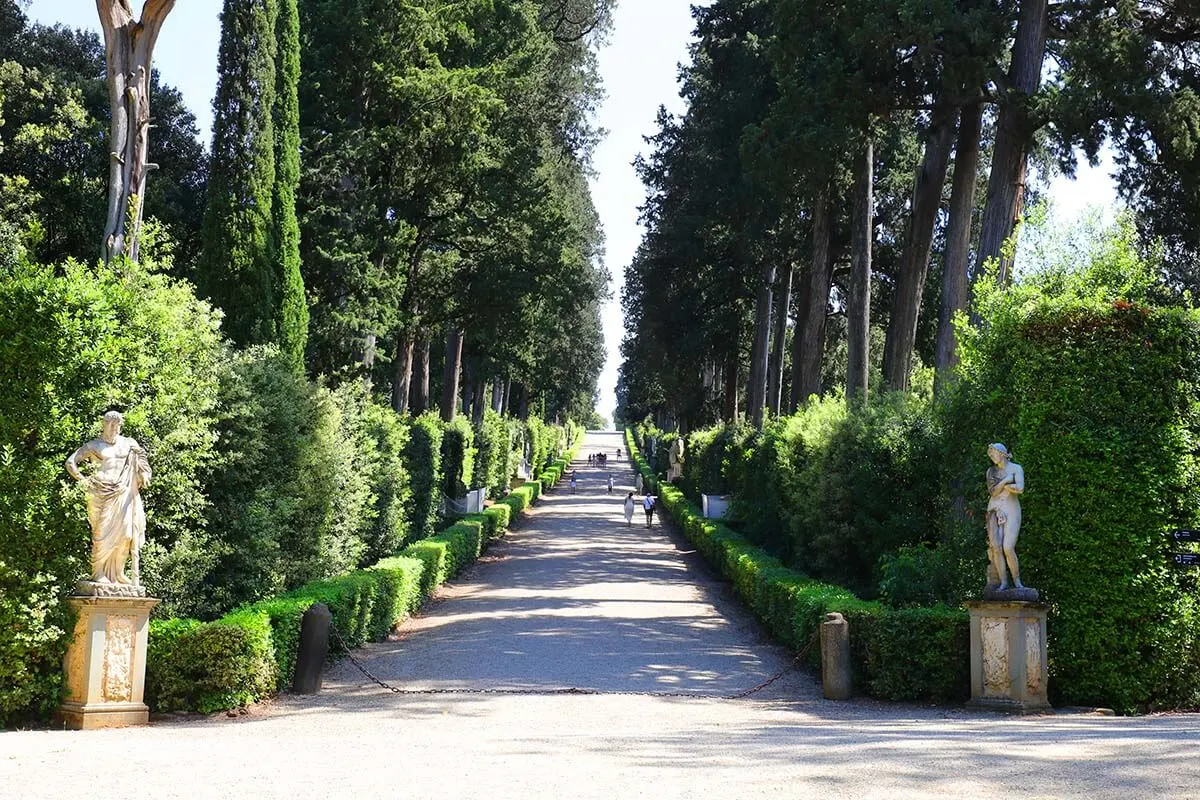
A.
x: 74, y: 343
x: 844, y: 170
x: 438, y: 158
x: 1093, y: 383
x: 896, y: 654
x: 1095, y: 388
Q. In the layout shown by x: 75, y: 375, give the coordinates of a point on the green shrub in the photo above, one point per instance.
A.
x: 1096, y: 394
x: 272, y: 488
x: 828, y: 490
x: 251, y: 652
x: 458, y: 456
x: 389, y: 481
x: 309, y: 484
x: 447, y: 553
x: 899, y: 654
x: 210, y: 666
x: 501, y: 516
x: 76, y: 341
x: 492, y: 455
x: 423, y: 458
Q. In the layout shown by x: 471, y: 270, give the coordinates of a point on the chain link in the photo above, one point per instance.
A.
x: 571, y: 690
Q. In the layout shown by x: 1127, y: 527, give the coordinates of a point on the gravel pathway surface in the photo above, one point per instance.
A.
x: 575, y: 599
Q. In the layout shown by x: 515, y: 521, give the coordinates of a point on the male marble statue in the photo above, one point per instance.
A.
x: 1005, y: 481
x: 114, y: 502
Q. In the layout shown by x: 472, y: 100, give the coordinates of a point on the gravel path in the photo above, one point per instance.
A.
x: 576, y: 599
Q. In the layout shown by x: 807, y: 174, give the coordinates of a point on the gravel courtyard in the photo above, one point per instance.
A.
x: 575, y: 599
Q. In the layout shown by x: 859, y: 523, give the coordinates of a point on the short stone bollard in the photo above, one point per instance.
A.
x: 312, y: 650
x: 835, y: 657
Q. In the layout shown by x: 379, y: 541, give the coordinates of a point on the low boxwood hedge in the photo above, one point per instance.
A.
x: 250, y: 652
x: 898, y: 654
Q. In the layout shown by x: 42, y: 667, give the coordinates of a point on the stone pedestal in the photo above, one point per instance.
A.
x: 106, y: 663
x: 1008, y: 656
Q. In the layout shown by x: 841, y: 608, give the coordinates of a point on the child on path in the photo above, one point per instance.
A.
x: 610, y: 484
x: 629, y: 510
x: 573, y: 484
x: 648, y: 504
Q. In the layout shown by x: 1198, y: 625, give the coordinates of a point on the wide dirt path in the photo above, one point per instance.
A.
x: 574, y: 599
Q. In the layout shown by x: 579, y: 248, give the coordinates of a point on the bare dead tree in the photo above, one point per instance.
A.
x: 128, y: 47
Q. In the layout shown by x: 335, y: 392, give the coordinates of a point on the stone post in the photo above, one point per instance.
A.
x: 106, y: 663
x: 1008, y: 656
x: 835, y: 657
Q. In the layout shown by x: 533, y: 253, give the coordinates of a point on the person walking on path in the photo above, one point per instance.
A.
x: 610, y: 484
x: 648, y: 505
x: 629, y: 510
x: 637, y: 483
x: 574, y: 485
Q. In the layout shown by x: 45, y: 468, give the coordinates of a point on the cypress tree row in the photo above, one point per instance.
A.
x: 292, y: 312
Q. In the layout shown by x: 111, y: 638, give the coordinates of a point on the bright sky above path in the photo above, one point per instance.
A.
x: 639, y: 66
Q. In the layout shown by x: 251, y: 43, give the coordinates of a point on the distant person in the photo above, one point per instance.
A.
x: 629, y: 510
x: 574, y: 483
x: 648, y: 504
x: 637, y: 483
x: 589, y: 459
x: 610, y: 484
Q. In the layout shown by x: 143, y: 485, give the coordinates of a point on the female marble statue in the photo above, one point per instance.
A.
x: 115, y: 511
x: 1005, y: 481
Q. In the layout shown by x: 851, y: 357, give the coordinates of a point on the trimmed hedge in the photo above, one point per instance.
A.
x: 250, y: 652
x: 897, y: 654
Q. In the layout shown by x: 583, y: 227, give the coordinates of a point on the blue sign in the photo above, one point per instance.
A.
x: 1187, y: 559
x: 1185, y: 535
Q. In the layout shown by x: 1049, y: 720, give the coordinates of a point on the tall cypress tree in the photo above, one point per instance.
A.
x: 236, y: 271
x: 251, y: 264
x: 292, y: 313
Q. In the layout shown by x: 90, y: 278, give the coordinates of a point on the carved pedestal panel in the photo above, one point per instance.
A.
x: 106, y: 663
x: 1008, y: 656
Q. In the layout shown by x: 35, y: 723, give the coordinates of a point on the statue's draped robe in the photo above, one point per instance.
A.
x: 117, y: 517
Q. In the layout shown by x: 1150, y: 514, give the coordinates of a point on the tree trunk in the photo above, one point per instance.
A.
x: 368, y: 357
x: 914, y: 263
x: 731, y: 389
x: 507, y: 394
x: 453, y: 368
x: 756, y: 390
x: 783, y: 307
x: 478, y: 399
x: 403, y: 367
x: 858, y: 305
x: 810, y: 327
x: 958, y: 240
x: 497, y: 395
x: 1014, y: 132
x: 523, y: 404
x: 420, y: 379
x: 128, y: 48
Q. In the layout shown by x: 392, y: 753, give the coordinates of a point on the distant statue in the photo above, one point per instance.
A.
x: 676, y: 457
x: 114, y: 502
x: 1005, y: 482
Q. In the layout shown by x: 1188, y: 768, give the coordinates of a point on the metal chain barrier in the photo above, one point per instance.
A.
x: 333, y: 631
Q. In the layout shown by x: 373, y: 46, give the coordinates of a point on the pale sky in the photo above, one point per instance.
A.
x: 639, y: 67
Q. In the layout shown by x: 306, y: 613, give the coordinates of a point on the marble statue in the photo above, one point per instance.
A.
x: 1005, y: 482
x: 676, y: 458
x: 115, y: 511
